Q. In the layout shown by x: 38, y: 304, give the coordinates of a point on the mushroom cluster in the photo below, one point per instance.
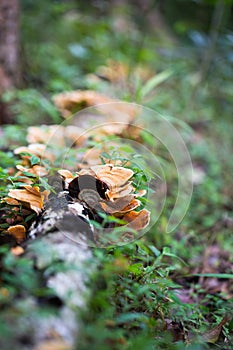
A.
x: 104, y: 192
x: 107, y: 191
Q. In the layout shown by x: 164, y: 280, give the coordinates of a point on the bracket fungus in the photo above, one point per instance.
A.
x: 108, y: 189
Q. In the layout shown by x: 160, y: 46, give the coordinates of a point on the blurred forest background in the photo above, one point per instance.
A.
x: 174, y: 56
x: 55, y: 46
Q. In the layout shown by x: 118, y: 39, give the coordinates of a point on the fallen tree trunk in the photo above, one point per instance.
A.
x: 59, y: 262
x: 63, y: 268
x: 69, y: 286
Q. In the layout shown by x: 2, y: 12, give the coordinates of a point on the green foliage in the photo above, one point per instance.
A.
x: 30, y: 107
x: 138, y: 285
x: 13, y: 135
x: 135, y: 295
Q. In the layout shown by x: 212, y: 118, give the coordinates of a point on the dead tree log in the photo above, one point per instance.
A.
x: 63, y: 263
x: 64, y: 231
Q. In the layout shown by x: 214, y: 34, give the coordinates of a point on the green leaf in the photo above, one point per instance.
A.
x: 46, y: 185
x: 35, y: 160
x: 230, y: 327
x: 154, y: 250
x: 106, y: 155
x: 136, y: 269
x: 26, y: 173
x: 4, y: 225
x: 216, y: 275
x: 29, y: 217
x: 166, y: 252
x: 155, y: 81
x: 130, y: 317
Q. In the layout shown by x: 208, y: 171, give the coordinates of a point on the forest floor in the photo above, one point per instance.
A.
x: 161, y: 291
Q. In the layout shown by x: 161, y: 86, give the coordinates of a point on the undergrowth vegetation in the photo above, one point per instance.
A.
x: 165, y: 290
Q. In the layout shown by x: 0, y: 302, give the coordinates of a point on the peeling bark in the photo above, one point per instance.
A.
x: 70, y: 287
x: 65, y: 267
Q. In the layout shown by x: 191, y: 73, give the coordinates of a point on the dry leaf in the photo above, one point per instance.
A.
x: 212, y: 335
x: 18, y: 231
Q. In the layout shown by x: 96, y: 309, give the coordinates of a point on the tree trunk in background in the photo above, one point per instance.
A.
x: 9, y: 51
x: 150, y: 18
